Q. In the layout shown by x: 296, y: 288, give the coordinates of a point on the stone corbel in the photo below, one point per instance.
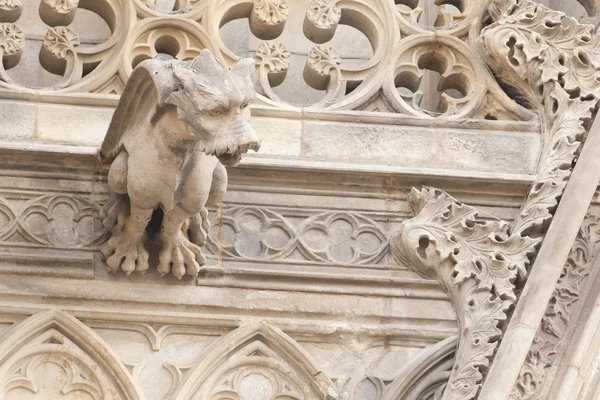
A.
x: 477, y: 260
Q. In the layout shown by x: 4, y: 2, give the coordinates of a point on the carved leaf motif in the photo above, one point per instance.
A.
x: 272, y: 12
x: 7, y: 4
x: 60, y: 40
x: 477, y: 259
x: 62, y: 6
x: 323, y: 59
x: 12, y: 39
x: 324, y: 13
x: 274, y: 55
x: 483, y: 312
x: 553, y: 62
x: 480, y: 249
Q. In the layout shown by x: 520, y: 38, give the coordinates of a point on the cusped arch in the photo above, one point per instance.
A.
x: 265, y: 356
x: 57, y: 339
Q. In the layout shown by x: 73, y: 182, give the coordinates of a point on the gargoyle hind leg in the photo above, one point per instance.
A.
x: 127, y: 250
x: 178, y: 255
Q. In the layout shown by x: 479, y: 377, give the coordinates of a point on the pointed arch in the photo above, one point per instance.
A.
x: 57, y: 338
x: 257, y: 349
x: 426, y: 374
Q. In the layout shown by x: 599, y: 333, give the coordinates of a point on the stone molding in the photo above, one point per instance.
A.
x: 545, y: 349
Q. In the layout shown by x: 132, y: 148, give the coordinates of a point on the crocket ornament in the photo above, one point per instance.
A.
x: 176, y: 127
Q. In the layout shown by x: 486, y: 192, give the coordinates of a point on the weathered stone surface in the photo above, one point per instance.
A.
x: 322, y: 277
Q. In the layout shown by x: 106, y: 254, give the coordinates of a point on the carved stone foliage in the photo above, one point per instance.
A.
x: 51, y: 221
x: 176, y: 126
x: 331, y: 237
x: 477, y: 260
x: 552, y: 62
x: 52, y: 355
x: 551, y: 332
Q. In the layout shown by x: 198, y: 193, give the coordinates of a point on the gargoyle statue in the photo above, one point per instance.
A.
x: 176, y: 125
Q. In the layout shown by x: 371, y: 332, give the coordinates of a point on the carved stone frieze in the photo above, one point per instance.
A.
x: 339, y: 238
x: 176, y: 126
x: 477, y: 260
x: 59, y: 221
x: 567, y: 294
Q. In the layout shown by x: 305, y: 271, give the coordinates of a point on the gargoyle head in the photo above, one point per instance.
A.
x: 213, y: 101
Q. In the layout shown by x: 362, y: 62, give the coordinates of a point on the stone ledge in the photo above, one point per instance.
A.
x: 325, y: 140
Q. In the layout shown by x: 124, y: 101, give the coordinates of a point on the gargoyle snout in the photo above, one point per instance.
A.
x: 245, y: 136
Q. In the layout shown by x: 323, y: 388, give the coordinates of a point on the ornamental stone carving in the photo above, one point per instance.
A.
x: 549, y: 337
x: 177, y: 125
x: 550, y: 61
x: 477, y: 260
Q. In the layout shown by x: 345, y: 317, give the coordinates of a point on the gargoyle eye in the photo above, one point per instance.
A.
x: 244, y: 105
x: 217, y: 112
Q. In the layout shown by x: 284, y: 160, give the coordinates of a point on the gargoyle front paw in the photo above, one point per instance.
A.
x: 180, y: 256
x: 127, y: 252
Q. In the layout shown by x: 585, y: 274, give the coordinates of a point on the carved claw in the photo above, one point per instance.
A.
x: 115, y: 214
x: 127, y: 252
x: 197, y: 228
x: 180, y: 256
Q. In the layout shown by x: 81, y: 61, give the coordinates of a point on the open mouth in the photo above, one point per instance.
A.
x: 232, y: 158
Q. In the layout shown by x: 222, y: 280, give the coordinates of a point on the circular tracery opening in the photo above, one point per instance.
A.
x: 343, y: 39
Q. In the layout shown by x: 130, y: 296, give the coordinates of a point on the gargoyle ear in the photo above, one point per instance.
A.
x: 184, y: 78
x: 244, y: 68
x: 206, y: 64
